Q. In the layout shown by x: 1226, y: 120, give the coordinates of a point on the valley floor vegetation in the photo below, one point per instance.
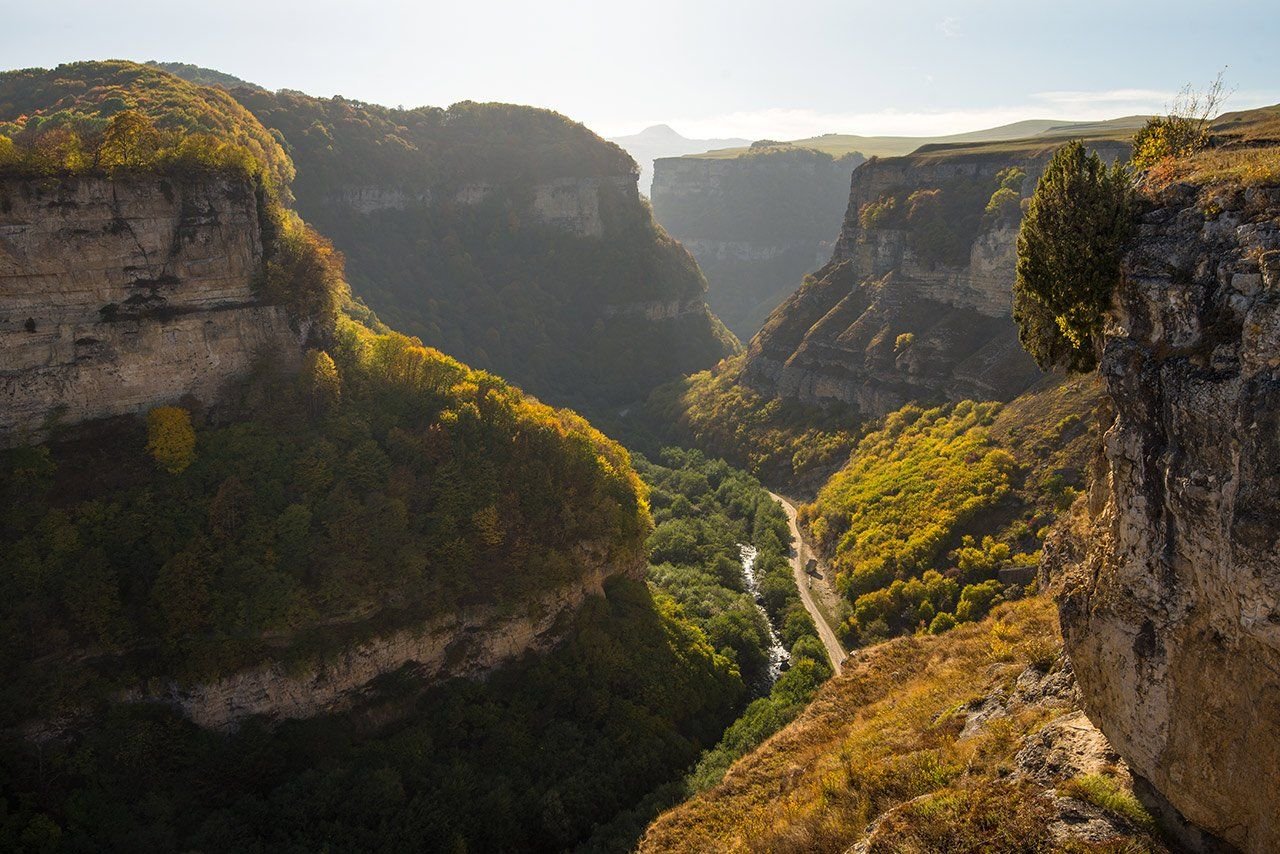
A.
x: 781, y: 441
x: 527, y: 759
x: 933, y: 506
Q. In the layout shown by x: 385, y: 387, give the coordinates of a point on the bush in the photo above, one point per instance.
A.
x: 1069, y: 251
x: 1183, y: 131
x: 942, y: 623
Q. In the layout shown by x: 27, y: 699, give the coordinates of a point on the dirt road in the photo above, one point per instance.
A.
x: 799, y: 556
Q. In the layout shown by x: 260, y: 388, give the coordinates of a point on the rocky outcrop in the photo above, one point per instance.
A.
x: 119, y: 295
x: 1170, y: 601
x: 466, y: 642
x: 756, y: 223
x: 910, y: 307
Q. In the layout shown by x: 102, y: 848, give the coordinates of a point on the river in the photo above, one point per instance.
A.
x: 778, y: 656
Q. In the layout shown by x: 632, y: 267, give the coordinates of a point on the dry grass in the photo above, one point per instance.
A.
x: 878, y: 736
x: 1246, y: 167
x: 1245, y: 152
x: 881, y: 742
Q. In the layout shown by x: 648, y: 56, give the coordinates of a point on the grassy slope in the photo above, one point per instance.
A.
x: 839, y: 144
x: 885, y: 732
x: 1245, y: 152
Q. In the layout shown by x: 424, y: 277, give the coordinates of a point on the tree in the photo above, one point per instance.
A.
x: 171, y: 440
x: 130, y: 141
x: 942, y: 623
x: 321, y: 382
x: 180, y: 595
x: 58, y: 149
x: 9, y: 154
x: 1069, y: 251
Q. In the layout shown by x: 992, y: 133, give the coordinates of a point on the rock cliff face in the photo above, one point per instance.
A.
x: 467, y: 643
x: 1171, y: 601
x: 755, y: 223
x: 913, y: 305
x: 569, y: 204
x: 120, y: 295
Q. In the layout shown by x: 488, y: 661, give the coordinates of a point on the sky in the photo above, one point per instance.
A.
x: 784, y: 69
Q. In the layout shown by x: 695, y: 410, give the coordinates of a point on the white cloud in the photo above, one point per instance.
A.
x: 950, y: 27
x: 1087, y: 100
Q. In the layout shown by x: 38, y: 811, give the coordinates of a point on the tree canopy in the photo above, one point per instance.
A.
x: 1069, y: 251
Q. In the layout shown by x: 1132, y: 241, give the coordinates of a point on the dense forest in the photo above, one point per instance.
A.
x: 525, y: 760
x: 66, y: 109
x: 933, y: 504
x: 378, y: 485
x: 564, y: 314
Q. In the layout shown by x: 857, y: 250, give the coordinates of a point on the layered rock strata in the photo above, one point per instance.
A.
x: 1171, y: 599
x: 886, y: 323
x: 119, y: 295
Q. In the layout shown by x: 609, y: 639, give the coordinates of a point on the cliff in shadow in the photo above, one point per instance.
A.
x: 509, y: 237
x: 757, y: 223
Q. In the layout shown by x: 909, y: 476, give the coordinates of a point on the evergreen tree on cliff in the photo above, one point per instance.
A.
x: 1069, y: 252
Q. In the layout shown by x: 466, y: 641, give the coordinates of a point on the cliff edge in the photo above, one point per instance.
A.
x: 1170, y: 605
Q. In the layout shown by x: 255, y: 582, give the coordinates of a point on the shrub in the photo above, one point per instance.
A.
x: 976, y: 600
x: 1069, y: 251
x: 1183, y: 131
x: 942, y: 623
x: 877, y: 214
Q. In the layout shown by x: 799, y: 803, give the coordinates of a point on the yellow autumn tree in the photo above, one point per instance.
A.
x: 171, y: 440
x: 321, y: 382
x: 130, y: 141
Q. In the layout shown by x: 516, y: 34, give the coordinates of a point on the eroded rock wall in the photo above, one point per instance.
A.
x: 570, y: 204
x: 468, y: 642
x: 884, y: 324
x: 119, y: 295
x: 1170, y: 603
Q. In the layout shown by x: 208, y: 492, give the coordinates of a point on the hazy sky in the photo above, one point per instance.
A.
x: 785, y: 69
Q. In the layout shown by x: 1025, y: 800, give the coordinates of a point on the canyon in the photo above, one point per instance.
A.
x: 508, y: 237
x: 757, y: 223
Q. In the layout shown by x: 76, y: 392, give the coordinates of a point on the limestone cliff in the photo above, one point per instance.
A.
x: 119, y: 295
x: 1171, y: 599
x: 756, y: 223
x: 915, y: 301
x: 468, y: 642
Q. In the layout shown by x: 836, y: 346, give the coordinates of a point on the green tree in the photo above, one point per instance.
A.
x: 1069, y: 252
x: 181, y: 597
x: 942, y: 623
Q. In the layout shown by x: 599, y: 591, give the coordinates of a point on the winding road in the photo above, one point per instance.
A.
x: 804, y: 584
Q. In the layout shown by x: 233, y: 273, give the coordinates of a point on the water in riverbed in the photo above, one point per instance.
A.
x: 778, y: 657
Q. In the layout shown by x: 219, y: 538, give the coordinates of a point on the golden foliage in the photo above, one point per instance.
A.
x: 171, y: 440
